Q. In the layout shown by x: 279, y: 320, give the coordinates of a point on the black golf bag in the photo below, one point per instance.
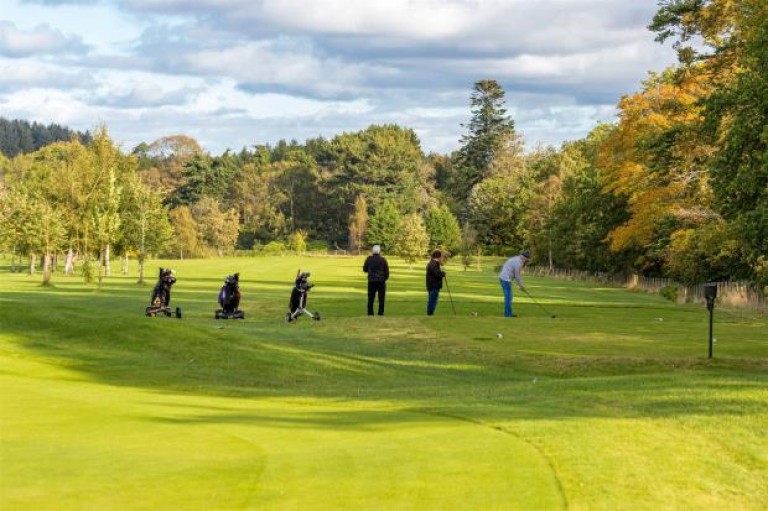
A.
x: 298, y: 303
x: 229, y: 299
x: 161, y: 295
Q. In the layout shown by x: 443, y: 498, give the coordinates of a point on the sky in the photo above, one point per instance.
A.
x: 237, y: 73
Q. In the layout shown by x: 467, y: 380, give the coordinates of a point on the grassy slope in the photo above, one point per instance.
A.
x: 611, y: 405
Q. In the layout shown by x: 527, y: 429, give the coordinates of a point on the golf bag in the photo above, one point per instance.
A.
x: 161, y: 295
x: 298, y: 303
x: 229, y: 299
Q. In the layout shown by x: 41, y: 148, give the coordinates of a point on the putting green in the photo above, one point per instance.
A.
x: 98, y: 446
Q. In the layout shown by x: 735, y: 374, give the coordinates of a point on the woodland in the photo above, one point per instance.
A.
x: 676, y: 187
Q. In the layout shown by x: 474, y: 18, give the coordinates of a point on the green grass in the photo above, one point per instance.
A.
x: 611, y: 405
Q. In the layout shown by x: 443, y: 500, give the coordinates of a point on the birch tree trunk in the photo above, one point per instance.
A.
x: 141, y: 269
x: 107, y: 266
x: 46, y: 269
x: 69, y: 263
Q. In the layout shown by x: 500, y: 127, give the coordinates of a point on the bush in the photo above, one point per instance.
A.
x: 669, y: 292
x: 275, y: 247
x: 88, y: 271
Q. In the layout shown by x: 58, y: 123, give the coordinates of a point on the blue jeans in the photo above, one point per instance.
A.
x: 506, y: 286
x: 433, y: 295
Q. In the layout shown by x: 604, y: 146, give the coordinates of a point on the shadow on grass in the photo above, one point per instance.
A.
x: 424, y: 365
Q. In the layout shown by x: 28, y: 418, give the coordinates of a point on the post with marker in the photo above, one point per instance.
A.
x: 710, y: 293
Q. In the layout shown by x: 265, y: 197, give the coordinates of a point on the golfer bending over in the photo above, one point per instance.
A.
x: 512, y: 269
x: 435, y: 276
x: 378, y: 272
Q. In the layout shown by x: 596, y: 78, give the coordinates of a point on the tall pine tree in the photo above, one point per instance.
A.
x: 487, y: 130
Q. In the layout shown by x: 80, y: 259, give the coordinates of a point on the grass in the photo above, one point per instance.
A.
x: 611, y: 405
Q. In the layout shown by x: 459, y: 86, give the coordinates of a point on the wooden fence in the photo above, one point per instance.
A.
x: 735, y: 294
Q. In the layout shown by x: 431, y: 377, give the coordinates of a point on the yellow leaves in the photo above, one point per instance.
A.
x: 655, y: 154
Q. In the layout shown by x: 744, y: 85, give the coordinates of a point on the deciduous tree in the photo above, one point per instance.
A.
x: 412, y: 241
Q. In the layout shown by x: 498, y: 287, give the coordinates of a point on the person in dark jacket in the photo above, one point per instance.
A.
x: 435, y: 276
x: 378, y: 272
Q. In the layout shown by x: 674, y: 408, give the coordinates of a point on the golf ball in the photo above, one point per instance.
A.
x: 498, y: 334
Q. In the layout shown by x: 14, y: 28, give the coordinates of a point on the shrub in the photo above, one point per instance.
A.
x: 669, y: 292
x: 275, y: 247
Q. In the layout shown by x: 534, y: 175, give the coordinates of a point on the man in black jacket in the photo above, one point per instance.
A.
x: 435, y: 276
x: 378, y: 272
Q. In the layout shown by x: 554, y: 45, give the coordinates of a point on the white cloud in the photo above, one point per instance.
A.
x: 18, y: 74
x: 42, y: 39
x: 236, y: 72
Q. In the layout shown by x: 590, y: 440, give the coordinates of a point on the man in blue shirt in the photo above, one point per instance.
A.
x: 512, y: 269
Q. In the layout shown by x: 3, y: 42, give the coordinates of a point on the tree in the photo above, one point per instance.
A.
x: 469, y: 245
x: 20, y: 136
x: 217, y: 229
x: 204, y: 176
x: 580, y: 220
x: 164, y: 159
x: 488, y: 129
x: 145, y: 224
x: 299, y: 241
x: 257, y: 200
x: 31, y: 225
x: 701, y: 29
x: 657, y: 161
x: 111, y: 168
x: 297, y: 185
x: 384, y: 225
x: 443, y: 228
x: 571, y: 214
x: 412, y: 241
x: 736, y: 116
x: 186, y: 241
x: 358, y: 224
x: 498, y: 208
x: 384, y: 163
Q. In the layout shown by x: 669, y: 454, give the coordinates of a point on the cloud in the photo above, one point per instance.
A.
x: 42, y: 39
x: 61, y: 2
x: 236, y: 72
x: 143, y: 96
x: 15, y: 75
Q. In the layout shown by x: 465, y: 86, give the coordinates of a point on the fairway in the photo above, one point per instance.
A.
x: 611, y: 405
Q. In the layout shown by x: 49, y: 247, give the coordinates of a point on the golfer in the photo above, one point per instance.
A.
x: 512, y: 269
x: 378, y: 272
x: 435, y: 276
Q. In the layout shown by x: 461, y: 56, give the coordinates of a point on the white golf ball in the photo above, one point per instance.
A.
x: 498, y: 334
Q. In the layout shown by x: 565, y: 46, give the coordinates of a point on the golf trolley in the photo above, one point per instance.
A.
x: 298, y: 302
x: 229, y: 299
x: 161, y: 296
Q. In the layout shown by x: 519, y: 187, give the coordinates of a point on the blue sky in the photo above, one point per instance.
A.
x: 234, y: 73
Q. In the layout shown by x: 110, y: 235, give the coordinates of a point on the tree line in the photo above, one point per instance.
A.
x: 677, y: 187
x: 19, y: 136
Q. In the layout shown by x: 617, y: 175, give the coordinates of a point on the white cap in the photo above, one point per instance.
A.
x: 376, y: 249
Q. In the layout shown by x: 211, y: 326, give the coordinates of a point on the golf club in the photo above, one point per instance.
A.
x: 449, y: 294
x: 540, y: 305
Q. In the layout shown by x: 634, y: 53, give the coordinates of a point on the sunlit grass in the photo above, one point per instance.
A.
x: 611, y: 405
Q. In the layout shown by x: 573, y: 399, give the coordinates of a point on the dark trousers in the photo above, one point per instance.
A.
x: 381, y: 289
x: 432, y: 296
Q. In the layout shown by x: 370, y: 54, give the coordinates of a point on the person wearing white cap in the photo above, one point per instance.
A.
x: 378, y: 272
x: 512, y: 269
